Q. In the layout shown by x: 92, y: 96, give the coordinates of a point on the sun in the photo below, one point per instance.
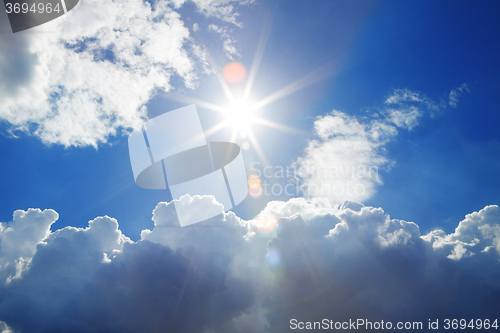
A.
x: 240, y: 115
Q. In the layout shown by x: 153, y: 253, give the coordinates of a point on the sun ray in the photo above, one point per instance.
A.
x: 259, y: 53
x: 316, y: 75
x: 214, y: 129
x: 271, y: 124
x: 193, y: 100
x: 240, y: 112
x: 225, y: 87
x: 234, y: 135
x: 257, y: 148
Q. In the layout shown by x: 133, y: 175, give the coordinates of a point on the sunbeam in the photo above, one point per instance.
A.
x: 316, y: 75
x: 240, y: 112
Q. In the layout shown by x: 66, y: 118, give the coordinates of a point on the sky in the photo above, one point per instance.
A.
x: 371, y: 127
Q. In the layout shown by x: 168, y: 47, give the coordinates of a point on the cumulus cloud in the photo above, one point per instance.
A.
x: 479, y: 232
x: 19, y: 239
x: 296, y: 259
x: 89, y: 74
x: 371, y: 266
x: 96, y: 279
x: 343, y: 164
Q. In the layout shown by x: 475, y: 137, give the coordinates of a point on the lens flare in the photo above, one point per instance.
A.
x: 234, y: 72
x: 274, y: 272
x: 254, y: 186
x: 273, y: 257
x: 267, y: 227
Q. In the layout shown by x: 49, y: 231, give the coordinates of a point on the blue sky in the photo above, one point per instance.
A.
x: 445, y: 167
x: 372, y: 62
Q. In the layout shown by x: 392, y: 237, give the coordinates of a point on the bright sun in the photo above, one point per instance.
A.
x: 241, y: 115
x: 241, y: 112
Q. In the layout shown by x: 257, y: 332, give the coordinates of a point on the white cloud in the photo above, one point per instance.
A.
x: 140, y: 287
x: 320, y: 261
x: 96, y: 73
x: 453, y: 98
x: 404, y: 117
x: 221, y: 9
x: 479, y: 232
x: 19, y: 239
x: 404, y: 108
x: 4, y: 328
x: 405, y: 95
x: 228, y: 42
x: 344, y: 163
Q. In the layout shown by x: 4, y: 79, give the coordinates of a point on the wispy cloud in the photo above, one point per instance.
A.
x: 222, y: 9
x: 456, y: 93
x: 407, y: 117
x: 400, y: 96
x: 228, y: 43
x: 405, y: 108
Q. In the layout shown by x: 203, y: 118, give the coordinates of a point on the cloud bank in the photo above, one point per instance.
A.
x: 296, y: 259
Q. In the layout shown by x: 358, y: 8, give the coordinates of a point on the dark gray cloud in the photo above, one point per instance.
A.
x: 319, y: 262
x: 145, y: 287
x: 376, y: 268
